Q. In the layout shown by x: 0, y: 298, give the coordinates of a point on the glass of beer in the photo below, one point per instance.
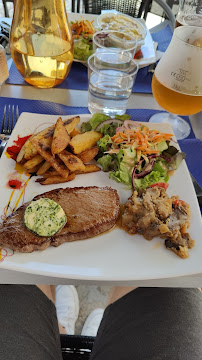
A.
x: 177, y: 80
x: 189, y: 13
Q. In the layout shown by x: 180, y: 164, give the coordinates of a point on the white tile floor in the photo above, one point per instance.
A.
x: 90, y: 297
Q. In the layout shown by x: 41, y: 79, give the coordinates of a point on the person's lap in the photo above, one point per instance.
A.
x: 152, y: 324
x: 145, y: 324
x: 28, y: 324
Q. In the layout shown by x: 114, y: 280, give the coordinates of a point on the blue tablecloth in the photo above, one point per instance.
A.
x: 46, y: 107
x: 78, y: 76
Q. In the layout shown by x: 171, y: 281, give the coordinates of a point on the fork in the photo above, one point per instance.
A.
x: 10, y: 117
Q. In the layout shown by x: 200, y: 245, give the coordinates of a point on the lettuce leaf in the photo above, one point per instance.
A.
x: 104, y: 143
x: 82, y: 49
x: 125, y: 164
x: 161, y: 167
x: 106, y: 162
x: 121, y: 175
x: 122, y: 117
x: 93, y: 123
x: 109, y: 129
x: 152, y: 178
x: 86, y: 126
x: 97, y: 119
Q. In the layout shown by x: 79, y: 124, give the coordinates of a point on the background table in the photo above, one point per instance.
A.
x: 80, y: 98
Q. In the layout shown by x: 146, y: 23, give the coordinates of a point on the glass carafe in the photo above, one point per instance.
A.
x: 41, y: 41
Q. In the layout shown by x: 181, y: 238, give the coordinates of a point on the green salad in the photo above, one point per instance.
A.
x: 133, y: 154
x: 83, y: 48
x: 82, y: 31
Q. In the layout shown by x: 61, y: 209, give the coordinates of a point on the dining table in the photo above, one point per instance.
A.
x: 78, y: 98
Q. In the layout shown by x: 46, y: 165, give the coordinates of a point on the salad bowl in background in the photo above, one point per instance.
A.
x: 126, y: 23
x: 83, y: 43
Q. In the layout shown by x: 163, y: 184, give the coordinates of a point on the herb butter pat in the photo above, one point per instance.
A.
x: 44, y: 217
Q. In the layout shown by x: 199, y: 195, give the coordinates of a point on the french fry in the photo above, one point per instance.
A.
x: 45, y: 152
x: 85, y: 141
x: 36, y: 160
x: 61, y: 138
x: 50, y: 172
x: 72, y: 162
x: 88, y: 155
x: 34, y: 169
x: 43, y: 168
x: 46, y: 137
x: 27, y: 151
x: 70, y: 124
x: 75, y: 132
x: 21, y: 155
x: 89, y: 168
x: 55, y: 179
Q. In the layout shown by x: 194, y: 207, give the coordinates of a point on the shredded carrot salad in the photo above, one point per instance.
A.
x: 142, y: 139
x: 82, y: 27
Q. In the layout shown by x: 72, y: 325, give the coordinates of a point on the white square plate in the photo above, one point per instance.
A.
x: 112, y: 256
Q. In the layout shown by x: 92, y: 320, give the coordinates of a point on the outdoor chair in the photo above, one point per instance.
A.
x: 6, y: 7
x: 135, y: 8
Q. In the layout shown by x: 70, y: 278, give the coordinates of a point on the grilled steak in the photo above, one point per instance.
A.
x: 89, y: 211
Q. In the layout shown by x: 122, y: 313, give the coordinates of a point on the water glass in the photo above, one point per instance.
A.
x: 115, y: 41
x: 111, y: 76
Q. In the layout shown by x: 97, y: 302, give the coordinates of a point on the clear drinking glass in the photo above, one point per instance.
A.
x: 189, y: 13
x: 111, y: 77
x: 41, y: 41
x: 177, y: 80
x: 114, y: 40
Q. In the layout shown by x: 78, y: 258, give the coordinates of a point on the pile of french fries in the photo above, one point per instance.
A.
x: 60, y: 152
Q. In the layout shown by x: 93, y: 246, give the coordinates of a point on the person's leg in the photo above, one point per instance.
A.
x: 152, y: 324
x: 29, y: 328
x: 49, y: 291
x: 118, y: 292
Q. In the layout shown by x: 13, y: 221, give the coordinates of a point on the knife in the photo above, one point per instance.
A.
x: 198, y: 190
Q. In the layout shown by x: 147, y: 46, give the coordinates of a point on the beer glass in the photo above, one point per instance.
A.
x: 189, y: 13
x: 177, y: 80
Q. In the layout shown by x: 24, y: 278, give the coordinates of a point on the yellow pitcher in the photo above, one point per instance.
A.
x: 41, y: 41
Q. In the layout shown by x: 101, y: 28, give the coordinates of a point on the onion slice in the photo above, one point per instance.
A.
x: 130, y: 123
x: 109, y: 121
x: 167, y: 159
x: 145, y: 172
